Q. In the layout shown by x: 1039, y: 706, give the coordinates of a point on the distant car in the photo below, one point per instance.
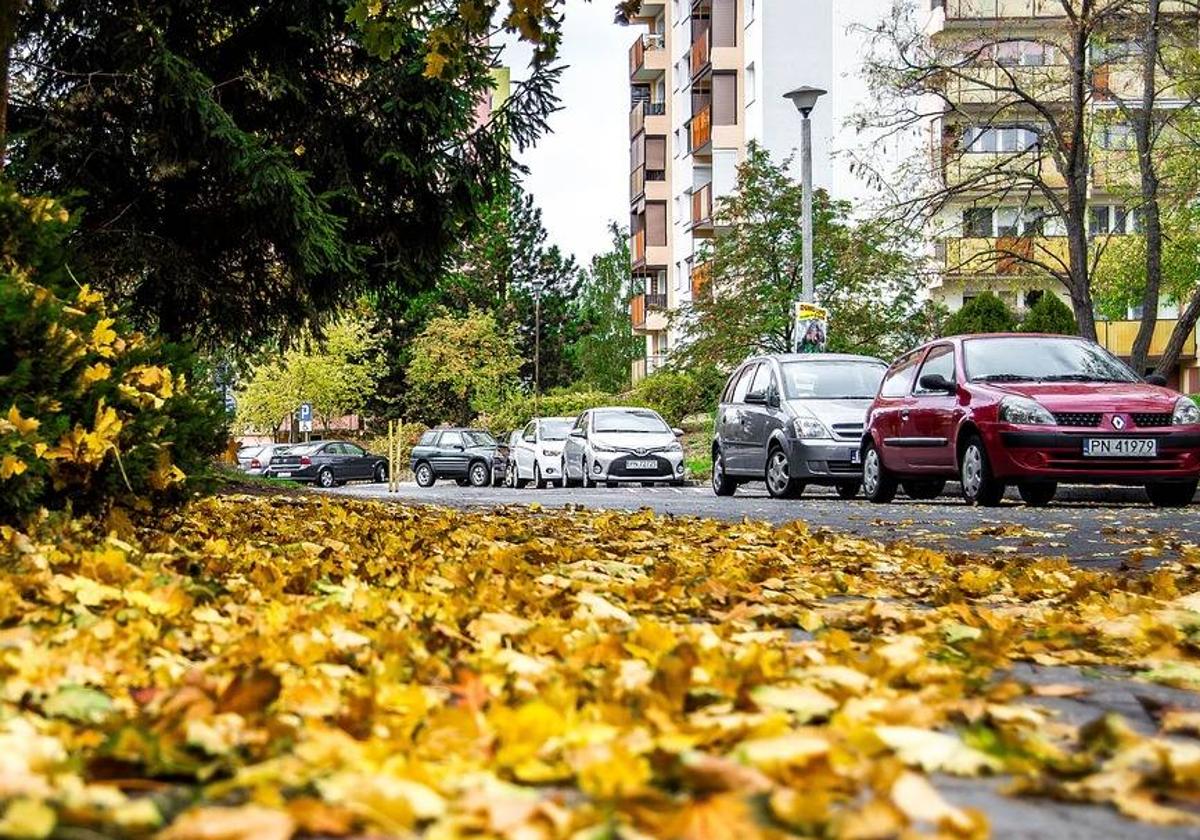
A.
x: 537, y: 453
x: 1030, y: 410
x: 469, y: 456
x: 616, y: 445
x: 792, y: 420
x: 328, y: 463
x: 510, y: 472
x: 255, y: 459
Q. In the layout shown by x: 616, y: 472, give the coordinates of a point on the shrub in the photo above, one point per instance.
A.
x: 1050, y: 315
x: 984, y: 314
x: 90, y: 411
x: 678, y: 394
x: 517, y: 408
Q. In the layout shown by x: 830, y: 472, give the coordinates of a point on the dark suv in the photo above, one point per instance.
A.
x: 469, y: 456
x: 793, y: 420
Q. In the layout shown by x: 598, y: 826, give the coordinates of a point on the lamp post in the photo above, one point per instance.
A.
x: 805, y: 99
x: 538, y: 284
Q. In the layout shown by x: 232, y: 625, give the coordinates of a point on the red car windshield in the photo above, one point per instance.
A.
x: 1037, y: 359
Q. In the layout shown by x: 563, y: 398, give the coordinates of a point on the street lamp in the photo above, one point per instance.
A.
x: 805, y: 99
x: 538, y: 285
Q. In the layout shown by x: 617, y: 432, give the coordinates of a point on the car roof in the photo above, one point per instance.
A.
x: 629, y: 408
x: 814, y: 357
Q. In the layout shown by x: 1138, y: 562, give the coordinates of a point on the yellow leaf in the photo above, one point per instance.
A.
x: 23, y: 425
x: 935, y: 751
x: 920, y: 802
x: 97, y: 372
x: 803, y: 702
x: 11, y: 466
x: 247, y: 822
x: 27, y: 819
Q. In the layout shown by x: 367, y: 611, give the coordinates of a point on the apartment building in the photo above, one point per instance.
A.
x: 706, y: 78
x: 988, y: 236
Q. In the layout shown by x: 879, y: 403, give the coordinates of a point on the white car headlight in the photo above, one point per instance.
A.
x: 1186, y: 413
x: 599, y: 447
x: 675, y: 447
x: 1025, y: 412
x: 809, y: 427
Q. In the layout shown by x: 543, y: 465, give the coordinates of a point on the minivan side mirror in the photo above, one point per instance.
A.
x: 677, y: 432
x: 758, y: 398
x: 1156, y: 379
x: 936, y: 382
x: 773, y: 400
x: 577, y: 433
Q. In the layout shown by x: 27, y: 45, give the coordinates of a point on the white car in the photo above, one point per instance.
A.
x: 622, y: 445
x: 255, y: 459
x: 536, y: 454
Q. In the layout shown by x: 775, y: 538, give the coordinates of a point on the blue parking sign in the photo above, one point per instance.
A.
x: 305, y: 412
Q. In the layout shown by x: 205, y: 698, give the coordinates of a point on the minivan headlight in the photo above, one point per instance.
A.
x: 1186, y: 412
x: 808, y: 427
x: 1025, y: 412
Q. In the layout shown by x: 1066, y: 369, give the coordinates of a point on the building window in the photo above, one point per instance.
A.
x: 1021, y: 54
x: 1107, y: 219
x: 977, y: 222
x: 1113, y: 51
x: 989, y: 222
x: 1116, y: 136
x: 751, y: 83
x: 1011, y: 138
x: 751, y: 7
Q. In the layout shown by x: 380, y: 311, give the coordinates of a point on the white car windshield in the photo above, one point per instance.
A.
x: 634, y: 422
x: 832, y: 380
x: 556, y: 429
x: 1035, y: 359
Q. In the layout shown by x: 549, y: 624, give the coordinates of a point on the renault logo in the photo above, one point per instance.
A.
x: 1118, y: 423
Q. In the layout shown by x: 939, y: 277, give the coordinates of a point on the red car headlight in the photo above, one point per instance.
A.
x: 1023, y: 411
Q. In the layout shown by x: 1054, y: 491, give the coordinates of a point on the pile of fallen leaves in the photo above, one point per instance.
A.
x: 271, y: 667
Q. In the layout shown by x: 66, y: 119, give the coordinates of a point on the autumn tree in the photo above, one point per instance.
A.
x: 461, y: 366
x: 606, y: 348
x: 862, y: 275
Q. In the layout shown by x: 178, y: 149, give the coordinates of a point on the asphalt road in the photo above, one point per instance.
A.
x: 1093, y: 526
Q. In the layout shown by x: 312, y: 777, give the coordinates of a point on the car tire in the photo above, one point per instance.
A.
x: 1037, y: 493
x: 722, y: 484
x: 979, y: 485
x: 539, y: 483
x: 879, y: 485
x: 325, y: 478
x: 587, y: 476
x: 381, y: 473
x: 780, y: 484
x: 849, y: 490
x: 478, y: 474
x: 923, y: 489
x: 1171, y: 494
x: 567, y: 481
x: 425, y: 475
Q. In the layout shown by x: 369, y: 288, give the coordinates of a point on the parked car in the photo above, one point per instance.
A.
x: 1029, y: 410
x: 328, y: 463
x: 621, y: 445
x: 255, y: 459
x: 510, y: 472
x: 469, y: 456
x: 792, y: 420
x: 537, y: 452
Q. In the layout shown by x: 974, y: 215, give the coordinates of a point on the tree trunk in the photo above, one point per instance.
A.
x: 1143, y: 127
x: 1179, y: 336
x: 8, y: 28
x: 1076, y: 171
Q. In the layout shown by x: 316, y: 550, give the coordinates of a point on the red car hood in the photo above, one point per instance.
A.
x: 1095, y: 396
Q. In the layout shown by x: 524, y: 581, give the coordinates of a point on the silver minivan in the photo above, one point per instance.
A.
x: 792, y: 420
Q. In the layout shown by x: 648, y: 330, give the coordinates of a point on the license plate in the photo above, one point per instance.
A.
x: 1120, y: 447
x: 641, y: 465
x: 283, y: 475
x: 855, y: 456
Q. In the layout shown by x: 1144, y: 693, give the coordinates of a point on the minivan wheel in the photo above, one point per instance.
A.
x: 849, y: 490
x: 979, y: 486
x: 479, y: 475
x: 722, y: 484
x: 879, y: 485
x: 923, y: 489
x: 1037, y: 493
x: 424, y: 475
x: 1171, y: 494
x: 779, y: 483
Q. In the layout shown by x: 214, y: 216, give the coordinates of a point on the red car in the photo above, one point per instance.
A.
x: 1030, y: 410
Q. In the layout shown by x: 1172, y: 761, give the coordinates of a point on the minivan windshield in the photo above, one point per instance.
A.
x: 1038, y: 359
x: 556, y: 429
x: 832, y: 380
x: 634, y: 420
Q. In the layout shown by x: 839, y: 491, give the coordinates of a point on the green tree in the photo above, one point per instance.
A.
x: 337, y: 374
x: 246, y: 168
x: 461, y: 366
x: 862, y: 275
x: 606, y: 348
x: 1049, y: 315
x: 983, y: 314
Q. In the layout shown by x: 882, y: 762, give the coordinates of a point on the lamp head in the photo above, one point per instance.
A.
x: 805, y: 98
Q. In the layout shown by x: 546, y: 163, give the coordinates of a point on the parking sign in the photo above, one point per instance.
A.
x: 305, y: 417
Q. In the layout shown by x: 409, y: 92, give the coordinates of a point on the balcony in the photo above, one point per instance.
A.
x: 648, y: 57
x: 995, y: 85
x: 1118, y: 336
x: 699, y: 129
x: 702, y: 210
x: 970, y: 10
x: 639, y: 114
x: 701, y: 55
x: 988, y: 170
x: 701, y: 280
x: 1115, y: 168
x: 1003, y: 255
x: 648, y: 311
x: 637, y: 312
x: 637, y: 247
